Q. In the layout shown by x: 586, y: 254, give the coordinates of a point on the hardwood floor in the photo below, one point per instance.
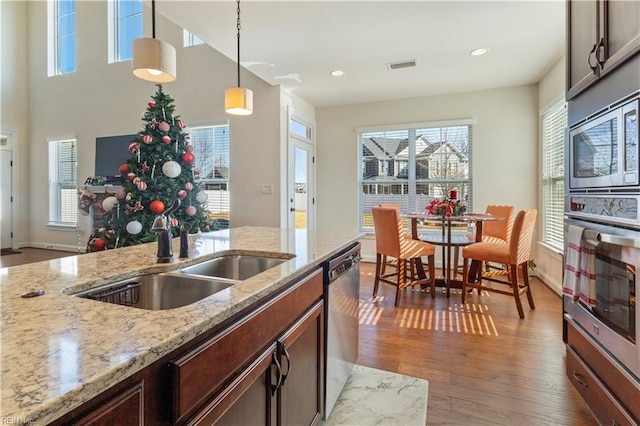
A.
x: 485, y: 366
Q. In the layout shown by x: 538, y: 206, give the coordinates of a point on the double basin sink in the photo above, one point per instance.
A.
x: 184, y: 286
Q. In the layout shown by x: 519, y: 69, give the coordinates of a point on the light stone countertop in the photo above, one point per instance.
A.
x: 58, y: 351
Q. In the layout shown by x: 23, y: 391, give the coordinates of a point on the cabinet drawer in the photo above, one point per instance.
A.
x: 626, y: 390
x: 125, y: 408
x: 202, y: 372
x: 602, y: 403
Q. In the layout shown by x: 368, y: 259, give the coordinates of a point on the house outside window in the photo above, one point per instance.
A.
x: 211, y: 169
x: 127, y: 25
x: 190, y: 39
x: 63, y: 200
x: 413, y: 165
x: 62, y: 37
x: 554, y: 123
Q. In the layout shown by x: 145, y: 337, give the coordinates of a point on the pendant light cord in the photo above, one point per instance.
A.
x: 153, y: 18
x: 238, y: 27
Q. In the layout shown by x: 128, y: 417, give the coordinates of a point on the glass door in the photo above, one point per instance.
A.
x: 301, y: 191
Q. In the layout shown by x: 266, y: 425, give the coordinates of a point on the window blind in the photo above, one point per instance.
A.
x: 554, y: 123
x: 63, y: 165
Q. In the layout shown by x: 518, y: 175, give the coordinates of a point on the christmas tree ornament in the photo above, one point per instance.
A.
x: 121, y: 194
x: 131, y: 176
x: 188, y: 186
x: 141, y: 186
x: 99, y: 244
x: 164, y: 126
x: 133, y: 147
x: 109, y: 203
x: 153, y: 170
x: 190, y: 148
x: 188, y: 157
x: 152, y: 104
x: 134, y: 227
x: 202, y: 197
x: 124, y: 169
x: 128, y: 197
x: 136, y: 180
x: 156, y: 206
x: 182, y: 193
x: 171, y: 169
x: 174, y: 222
x: 190, y: 211
x: 147, y: 139
x: 181, y: 124
x: 166, y: 139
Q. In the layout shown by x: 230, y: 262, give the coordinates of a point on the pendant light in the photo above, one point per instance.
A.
x: 153, y: 59
x: 238, y: 101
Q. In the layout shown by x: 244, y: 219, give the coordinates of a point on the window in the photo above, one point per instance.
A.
x: 411, y: 166
x: 62, y: 37
x: 190, y: 39
x: 554, y: 122
x: 63, y: 203
x: 127, y: 27
x: 211, y: 168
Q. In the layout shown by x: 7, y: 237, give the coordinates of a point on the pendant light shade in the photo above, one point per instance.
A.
x: 238, y: 100
x: 153, y: 59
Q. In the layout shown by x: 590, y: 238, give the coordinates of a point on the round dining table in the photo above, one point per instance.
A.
x: 449, y: 241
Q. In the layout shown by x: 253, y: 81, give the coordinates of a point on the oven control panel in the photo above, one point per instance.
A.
x: 611, y: 208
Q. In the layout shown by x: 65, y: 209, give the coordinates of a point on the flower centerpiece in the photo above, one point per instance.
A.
x: 446, y: 207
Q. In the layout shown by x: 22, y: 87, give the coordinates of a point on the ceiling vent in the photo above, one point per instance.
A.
x: 404, y: 64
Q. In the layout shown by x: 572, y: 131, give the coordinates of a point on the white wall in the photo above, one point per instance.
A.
x: 103, y: 99
x: 505, y: 137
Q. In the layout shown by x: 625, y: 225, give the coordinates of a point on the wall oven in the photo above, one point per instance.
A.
x: 610, y: 315
x: 603, y: 150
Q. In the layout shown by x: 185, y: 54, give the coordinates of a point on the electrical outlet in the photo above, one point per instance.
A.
x: 266, y: 189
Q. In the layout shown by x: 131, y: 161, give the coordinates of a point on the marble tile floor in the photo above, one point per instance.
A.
x: 377, y: 397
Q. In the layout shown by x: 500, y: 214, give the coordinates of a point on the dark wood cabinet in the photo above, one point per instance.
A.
x: 601, y: 35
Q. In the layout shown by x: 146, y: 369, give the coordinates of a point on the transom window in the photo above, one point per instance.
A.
x: 127, y: 23
x: 190, y: 39
x: 412, y: 166
x: 62, y: 37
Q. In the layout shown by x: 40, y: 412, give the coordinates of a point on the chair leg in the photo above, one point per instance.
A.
x: 525, y: 278
x: 379, y: 268
x: 402, y: 276
x: 384, y: 265
x: 513, y: 273
x: 465, y: 272
x: 432, y: 274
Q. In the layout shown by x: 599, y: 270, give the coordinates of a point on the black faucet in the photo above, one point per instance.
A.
x: 184, y: 242
x: 162, y: 227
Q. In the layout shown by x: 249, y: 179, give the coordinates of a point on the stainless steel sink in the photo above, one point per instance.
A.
x: 233, y: 267
x: 157, y: 291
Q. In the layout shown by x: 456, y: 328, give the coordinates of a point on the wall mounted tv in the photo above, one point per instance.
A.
x: 111, y: 153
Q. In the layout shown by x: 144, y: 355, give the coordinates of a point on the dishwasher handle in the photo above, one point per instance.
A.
x: 344, y: 263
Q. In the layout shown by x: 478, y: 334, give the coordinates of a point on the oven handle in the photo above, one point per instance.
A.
x: 595, y: 238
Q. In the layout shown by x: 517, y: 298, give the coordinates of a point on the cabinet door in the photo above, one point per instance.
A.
x: 249, y: 399
x: 301, y: 351
x: 622, y: 32
x: 583, y: 35
x: 124, y: 409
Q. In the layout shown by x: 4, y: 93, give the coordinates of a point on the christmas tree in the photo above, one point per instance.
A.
x: 158, y: 172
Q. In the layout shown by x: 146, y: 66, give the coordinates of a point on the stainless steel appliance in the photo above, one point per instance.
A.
x: 342, y: 299
x: 614, y: 321
x: 603, y: 149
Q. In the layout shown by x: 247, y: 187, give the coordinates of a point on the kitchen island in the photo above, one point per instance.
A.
x: 59, y: 351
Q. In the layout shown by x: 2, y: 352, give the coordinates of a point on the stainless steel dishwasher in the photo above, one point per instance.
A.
x: 342, y: 298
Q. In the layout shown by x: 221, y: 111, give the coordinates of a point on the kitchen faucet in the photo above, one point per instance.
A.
x: 162, y: 227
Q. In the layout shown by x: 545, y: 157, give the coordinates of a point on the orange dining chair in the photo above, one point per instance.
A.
x: 391, y: 241
x: 385, y: 261
x: 515, y: 254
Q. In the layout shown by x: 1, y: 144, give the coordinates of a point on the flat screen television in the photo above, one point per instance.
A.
x: 111, y: 153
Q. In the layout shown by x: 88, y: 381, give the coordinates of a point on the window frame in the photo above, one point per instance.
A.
x: 115, y: 29
x: 54, y: 38
x: 553, y: 156
x: 397, y: 185
x: 63, y: 207
x: 190, y: 39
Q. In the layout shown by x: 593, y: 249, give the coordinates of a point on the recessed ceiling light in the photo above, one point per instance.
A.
x: 337, y: 73
x: 479, y: 52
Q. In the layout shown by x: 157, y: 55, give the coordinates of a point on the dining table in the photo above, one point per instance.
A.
x: 449, y: 241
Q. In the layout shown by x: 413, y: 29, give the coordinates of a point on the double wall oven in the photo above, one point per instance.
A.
x: 602, y: 199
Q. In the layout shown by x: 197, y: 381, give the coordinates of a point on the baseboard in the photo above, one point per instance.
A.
x: 549, y: 282
x: 60, y: 247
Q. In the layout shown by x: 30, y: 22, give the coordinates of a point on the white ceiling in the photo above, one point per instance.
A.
x: 297, y: 43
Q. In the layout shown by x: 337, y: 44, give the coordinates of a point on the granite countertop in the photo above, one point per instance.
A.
x: 58, y: 351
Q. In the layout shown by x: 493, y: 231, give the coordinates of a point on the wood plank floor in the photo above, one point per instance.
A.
x: 484, y: 365
x: 30, y: 255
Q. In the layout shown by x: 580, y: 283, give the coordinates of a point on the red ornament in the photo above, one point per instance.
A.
x: 188, y: 157
x: 147, y: 139
x: 152, y: 104
x: 181, y: 123
x: 188, y: 186
x: 156, y: 206
x: 131, y: 176
x: 182, y: 193
x: 141, y: 185
x: 174, y: 222
x: 164, y: 126
x: 166, y: 139
x: 99, y: 244
x: 133, y: 147
x: 124, y: 169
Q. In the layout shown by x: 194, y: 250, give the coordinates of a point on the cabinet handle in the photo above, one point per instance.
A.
x: 614, y: 423
x: 594, y: 68
x: 286, y: 355
x: 598, y: 46
x: 579, y: 379
x: 274, y: 388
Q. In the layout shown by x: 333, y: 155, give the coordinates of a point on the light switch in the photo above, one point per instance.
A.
x: 266, y: 189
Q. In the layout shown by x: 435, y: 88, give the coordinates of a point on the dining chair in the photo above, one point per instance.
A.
x: 515, y: 254
x: 391, y: 241
x: 394, y: 263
